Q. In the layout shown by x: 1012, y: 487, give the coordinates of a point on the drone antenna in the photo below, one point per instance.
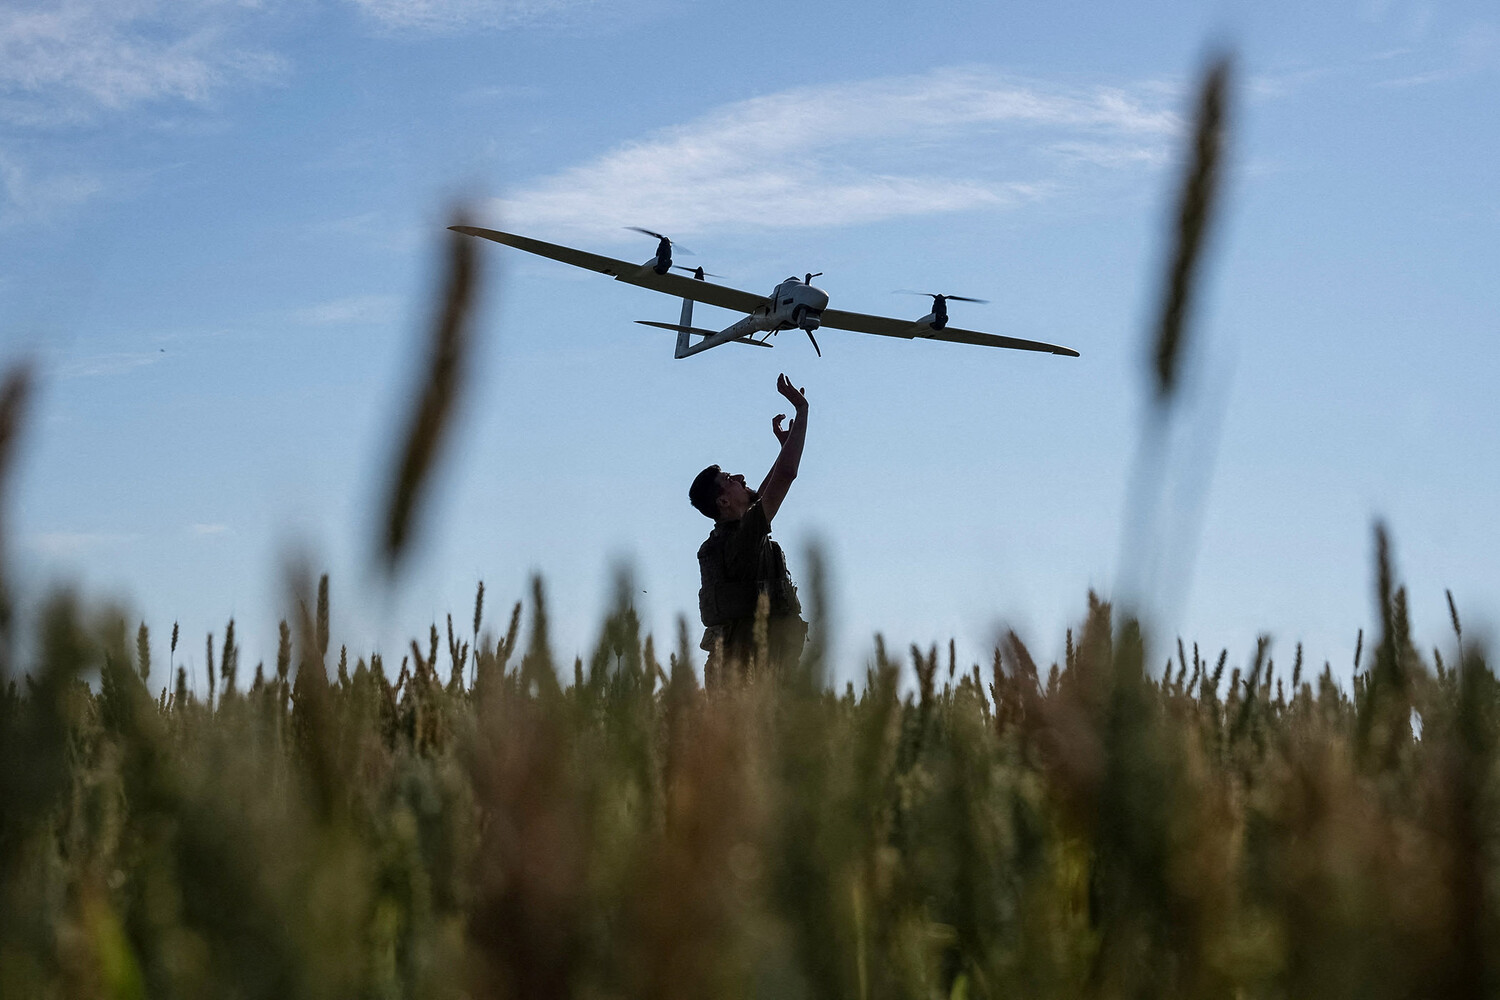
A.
x: 810, y: 276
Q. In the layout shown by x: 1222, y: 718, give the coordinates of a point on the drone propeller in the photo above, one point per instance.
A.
x: 696, y: 272
x: 659, y: 236
x: 811, y: 275
x: 814, y: 342
x: 936, y: 297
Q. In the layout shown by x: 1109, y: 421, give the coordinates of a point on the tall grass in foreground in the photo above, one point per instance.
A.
x: 480, y: 820
x: 1095, y: 828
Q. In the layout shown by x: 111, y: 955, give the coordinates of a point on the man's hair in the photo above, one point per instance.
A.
x: 704, y: 493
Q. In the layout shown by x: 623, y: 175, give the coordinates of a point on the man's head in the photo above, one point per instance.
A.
x: 720, y: 496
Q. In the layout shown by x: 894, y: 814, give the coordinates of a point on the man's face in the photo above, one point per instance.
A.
x: 734, y: 496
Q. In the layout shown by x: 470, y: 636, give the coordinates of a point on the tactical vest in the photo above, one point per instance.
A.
x: 722, y: 600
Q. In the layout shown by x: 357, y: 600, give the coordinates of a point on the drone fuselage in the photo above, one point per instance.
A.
x: 794, y: 305
x: 797, y: 305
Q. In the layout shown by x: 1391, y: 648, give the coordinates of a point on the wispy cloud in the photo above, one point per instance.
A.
x: 208, y: 530
x: 353, y: 309
x: 449, y: 15
x: 25, y: 194
x: 113, y: 363
x: 1465, y: 52
x: 66, y: 60
x: 494, y: 93
x: 1284, y: 83
x: 1418, y: 79
x: 74, y: 543
x: 944, y: 141
x: 371, y: 230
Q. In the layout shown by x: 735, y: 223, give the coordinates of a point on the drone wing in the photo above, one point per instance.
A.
x: 633, y: 274
x: 885, y: 326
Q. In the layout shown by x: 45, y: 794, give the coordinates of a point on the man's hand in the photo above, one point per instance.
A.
x: 784, y: 469
x: 794, y: 395
x: 780, y: 431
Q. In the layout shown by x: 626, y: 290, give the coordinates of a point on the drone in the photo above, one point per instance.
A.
x: 795, y: 304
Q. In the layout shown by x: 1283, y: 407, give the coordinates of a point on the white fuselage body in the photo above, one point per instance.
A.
x: 794, y: 304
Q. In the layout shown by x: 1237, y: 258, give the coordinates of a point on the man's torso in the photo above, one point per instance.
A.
x: 738, y: 563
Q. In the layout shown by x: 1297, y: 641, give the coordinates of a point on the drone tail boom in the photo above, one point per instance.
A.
x: 685, y: 331
x: 685, y: 324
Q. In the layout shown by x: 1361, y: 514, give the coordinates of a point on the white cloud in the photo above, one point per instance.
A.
x: 372, y: 230
x: 1418, y: 79
x: 451, y: 15
x: 495, y: 93
x: 354, y: 309
x: 1114, y: 155
x: 1287, y: 82
x: 114, y: 363
x: 1470, y: 50
x: 1479, y: 44
x: 208, y: 530
x: 945, y: 141
x: 74, y: 543
x: 38, y: 198
x: 63, y: 60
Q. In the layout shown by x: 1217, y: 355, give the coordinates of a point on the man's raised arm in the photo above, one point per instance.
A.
x: 784, y: 469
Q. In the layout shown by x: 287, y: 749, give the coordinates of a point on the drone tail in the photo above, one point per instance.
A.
x: 685, y: 331
x: 683, y: 326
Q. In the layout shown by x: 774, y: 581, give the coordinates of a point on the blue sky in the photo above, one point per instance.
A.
x: 218, y: 223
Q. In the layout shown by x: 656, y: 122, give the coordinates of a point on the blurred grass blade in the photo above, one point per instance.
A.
x: 15, y: 390
x: 1146, y: 550
x: 1194, y: 212
x: 448, y: 354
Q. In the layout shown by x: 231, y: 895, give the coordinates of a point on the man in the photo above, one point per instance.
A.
x: 741, y: 567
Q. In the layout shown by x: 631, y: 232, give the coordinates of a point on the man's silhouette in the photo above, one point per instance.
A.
x: 739, y: 563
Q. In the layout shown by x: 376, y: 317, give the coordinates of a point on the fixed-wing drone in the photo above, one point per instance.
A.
x: 794, y: 304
